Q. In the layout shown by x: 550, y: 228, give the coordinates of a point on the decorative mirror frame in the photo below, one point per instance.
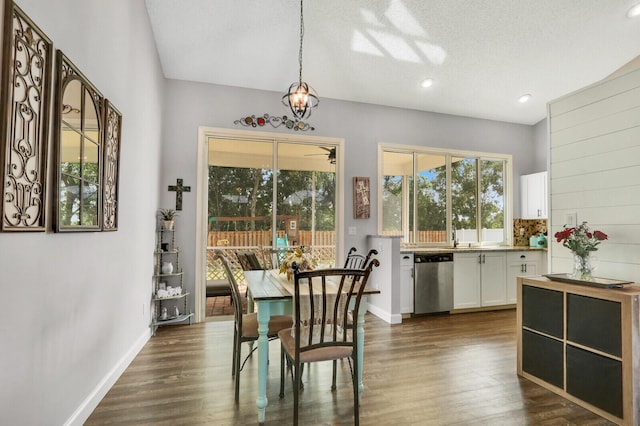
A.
x: 112, y: 133
x: 24, y: 120
x: 66, y: 73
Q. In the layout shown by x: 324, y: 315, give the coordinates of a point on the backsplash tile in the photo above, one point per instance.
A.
x: 531, y: 227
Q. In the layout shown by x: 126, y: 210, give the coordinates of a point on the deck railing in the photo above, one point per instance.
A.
x: 322, y: 254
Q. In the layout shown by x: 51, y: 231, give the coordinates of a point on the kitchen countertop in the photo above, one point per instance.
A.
x: 466, y: 249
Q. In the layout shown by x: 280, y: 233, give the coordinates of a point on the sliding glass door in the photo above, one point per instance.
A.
x: 271, y: 193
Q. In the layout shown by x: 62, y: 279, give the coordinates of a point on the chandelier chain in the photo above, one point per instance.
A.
x: 301, y: 38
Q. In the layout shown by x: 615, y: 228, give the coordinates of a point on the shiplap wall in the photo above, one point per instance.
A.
x: 595, y: 172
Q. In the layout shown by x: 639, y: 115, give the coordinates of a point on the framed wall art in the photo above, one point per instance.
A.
x: 112, y: 130
x: 361, y: 198
x: 24, y: 108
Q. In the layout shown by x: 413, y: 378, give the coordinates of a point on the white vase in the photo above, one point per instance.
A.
x: 167, y: 268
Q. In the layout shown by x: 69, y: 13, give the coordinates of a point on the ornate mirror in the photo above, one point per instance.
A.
x: 79, y: 142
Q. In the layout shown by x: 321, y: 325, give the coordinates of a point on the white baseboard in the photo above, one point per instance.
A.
x: 384, y: 315
x: 90, y: 403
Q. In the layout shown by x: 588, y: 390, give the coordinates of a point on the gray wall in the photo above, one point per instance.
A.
x: 76, y: 306
x: 190, y: 105
x: 540, y: 147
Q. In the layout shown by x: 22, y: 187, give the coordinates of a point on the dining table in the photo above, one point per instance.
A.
x: 271, y: 293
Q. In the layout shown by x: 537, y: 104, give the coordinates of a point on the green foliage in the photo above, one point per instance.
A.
x: 167, y: 214
x: 431, y: 187
x: 247, y: 193
x: 78, y: 196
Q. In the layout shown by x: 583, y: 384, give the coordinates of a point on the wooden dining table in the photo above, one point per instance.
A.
x: 272, y: 294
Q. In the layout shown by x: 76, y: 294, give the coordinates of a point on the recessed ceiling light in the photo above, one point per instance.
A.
x: 634, y: 11
x: 524, y: 98
x: 427, y: 82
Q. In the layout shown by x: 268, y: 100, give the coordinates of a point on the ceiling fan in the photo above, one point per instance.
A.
x: 331, y: 154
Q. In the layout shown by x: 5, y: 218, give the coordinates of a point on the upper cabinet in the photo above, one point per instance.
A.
x: 533, y: 196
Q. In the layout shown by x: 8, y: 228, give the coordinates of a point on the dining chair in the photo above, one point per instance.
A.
x: 322, y: 302
x: 353, y: 261
x: 246, y: 325
x: 249, y: 261
x: 358, y: 261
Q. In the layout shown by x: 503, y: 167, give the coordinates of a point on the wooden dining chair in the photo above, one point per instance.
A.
x: 323, y: 300
x: 353, y: 261
x: 358, y: 261
x: 246, y: 325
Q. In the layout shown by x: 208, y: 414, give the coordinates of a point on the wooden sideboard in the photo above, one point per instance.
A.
x: 582, y: 343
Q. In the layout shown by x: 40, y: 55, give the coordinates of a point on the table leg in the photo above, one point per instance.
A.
x: 360, y: 326
x: 264, y: 313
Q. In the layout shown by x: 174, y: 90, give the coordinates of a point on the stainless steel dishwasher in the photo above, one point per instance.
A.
x: 433, y: 283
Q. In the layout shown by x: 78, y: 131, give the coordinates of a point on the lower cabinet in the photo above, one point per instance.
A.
x: 479, y: 279
x: 406, y: 283
x: 522, y: 263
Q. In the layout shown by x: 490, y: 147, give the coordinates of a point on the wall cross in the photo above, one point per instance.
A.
x: 179, y: 189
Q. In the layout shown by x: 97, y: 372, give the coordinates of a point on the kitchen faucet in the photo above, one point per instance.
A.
x: 454, y: 237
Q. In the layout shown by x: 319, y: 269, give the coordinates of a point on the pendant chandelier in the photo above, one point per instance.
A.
x: 300, y: 97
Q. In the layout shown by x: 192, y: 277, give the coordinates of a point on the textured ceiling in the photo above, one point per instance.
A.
x: 481, y: 54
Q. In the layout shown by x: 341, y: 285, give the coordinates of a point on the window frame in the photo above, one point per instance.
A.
x: 448, y: 154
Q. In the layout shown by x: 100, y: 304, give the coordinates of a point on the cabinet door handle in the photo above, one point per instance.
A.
x: 480, y: 259
x: 525, y: 267
x: 521, y: 267
x: 483, y: 259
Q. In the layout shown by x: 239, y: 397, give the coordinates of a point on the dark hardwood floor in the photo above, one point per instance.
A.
x: 434, y: 370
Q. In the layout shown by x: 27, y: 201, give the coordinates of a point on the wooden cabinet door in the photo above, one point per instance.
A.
x: 533, y: 196
x: 521, y: 263
x: 466, y: 280
x: 406, y: 284
x: 493, y: 279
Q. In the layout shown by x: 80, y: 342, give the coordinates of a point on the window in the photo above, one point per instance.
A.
x: 427, y: 195
x: 246, y: 208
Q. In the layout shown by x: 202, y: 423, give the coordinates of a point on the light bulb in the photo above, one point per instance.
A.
x: 524, y: 98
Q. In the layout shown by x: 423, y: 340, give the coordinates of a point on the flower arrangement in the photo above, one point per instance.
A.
x: 303, y: 260
x: 581, y: 241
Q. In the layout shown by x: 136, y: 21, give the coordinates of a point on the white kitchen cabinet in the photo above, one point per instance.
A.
x: 406, y: 283
x: 533, y: 196
x: 522, y: 263
x: 493, y: 280
x: 479, y: 279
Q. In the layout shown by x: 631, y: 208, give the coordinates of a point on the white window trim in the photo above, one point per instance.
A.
x: 411, y: 149
x: 204, y: 133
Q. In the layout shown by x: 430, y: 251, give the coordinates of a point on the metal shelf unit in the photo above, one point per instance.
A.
x: 166, y: 251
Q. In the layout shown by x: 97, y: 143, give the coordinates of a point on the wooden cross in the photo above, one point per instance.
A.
x: 179, y: 189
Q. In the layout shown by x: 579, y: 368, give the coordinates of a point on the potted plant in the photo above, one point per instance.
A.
x: 167, y: 216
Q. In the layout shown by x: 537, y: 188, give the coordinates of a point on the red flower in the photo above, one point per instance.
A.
x: 580, y: 240
x: 600, y: 235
